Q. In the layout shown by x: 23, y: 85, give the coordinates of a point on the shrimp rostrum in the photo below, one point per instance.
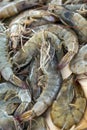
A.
x: 48, y: 64
x: 5, y: 64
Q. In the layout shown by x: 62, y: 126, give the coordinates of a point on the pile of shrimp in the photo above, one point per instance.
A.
x: 43, y: 52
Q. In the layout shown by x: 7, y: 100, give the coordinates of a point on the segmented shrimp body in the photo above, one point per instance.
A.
x: 73, y: 19
x: 78, y: 65
x: 49, y: 68
x: 31, y: 18
x: 5, y: 64
x: 69, y: 106
x: 14, y: 8
x: 64, y: 36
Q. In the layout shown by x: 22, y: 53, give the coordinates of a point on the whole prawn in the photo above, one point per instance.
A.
x: 73, y: 19
x: 78, y: 65
x: 5, y: 64
x: 31, y: 18
x: 69, y: 106
x: 64, y: 35
x: 48, y: 66
x: 14, y: 8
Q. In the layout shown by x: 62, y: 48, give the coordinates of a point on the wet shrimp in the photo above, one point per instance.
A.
x: 80, y: 8
x: 78, y: 65
x: 31, y: 18
x: 69, y: 106
x: 5, y: 64
x: 13, y: 99
x: 73, y: 19
x: 65, y: 36
x: 48, y: 64
x: 14, y: 8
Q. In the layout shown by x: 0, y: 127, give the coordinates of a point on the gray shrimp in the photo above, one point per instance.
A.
x: 75, y: 1
x: 14, y: 8
x: 78, y: 64
x: 5, y: 64
x: 31, y: 18
x: 69, y: 106
x: 13, y: 99
x: 73, y: 19
x: 64, y: 35
x: 79, y: 8
x: 48, y: 64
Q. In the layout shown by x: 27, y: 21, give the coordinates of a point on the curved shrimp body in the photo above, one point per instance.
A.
x: 80, y: 8
x: 5, y: 65
x: 32, y: 46
x: 78, y: 65
x: 75, y: 1
x: 48, y: 66
x: 34, y: 76
x: 69, y: 106
x: 73, y: 19
x: 31, y: 18
x: 14, y: 8
x: 65, y: 36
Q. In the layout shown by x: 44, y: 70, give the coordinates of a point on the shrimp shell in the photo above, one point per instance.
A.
x: 69, y: 106
x: 73, y: 19
x: 5, y: 64
x: 65, y: 36
x: 14, y: 8
x: 48, y: 66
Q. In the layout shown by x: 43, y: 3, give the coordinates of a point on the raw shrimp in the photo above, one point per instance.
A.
x: 73, y: 19
x: 8, y: 122
x: 65, y: 36
x: 78, y: 65
x: 69, y: 106
x: 5, y: 65
x: 75, y: 1
x: 48, y: 64
x: 14, y: 8
x: 31, y: 18
x: 80, y: 8
x: 13, y: 99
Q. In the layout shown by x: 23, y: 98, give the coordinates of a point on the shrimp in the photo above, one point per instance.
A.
x: 65, y: 36
x: 48, y: 64
x: 31, y: 18
x: 13, y: 99
x: 34, y: 76
x: 78, y: 65
x: 69, y: 107
x: 73, y: 19
x: 8, y: 122
x: 14, y: 8
x: 80, y: 8
x: 75, y: 1
x: 5, y: 64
